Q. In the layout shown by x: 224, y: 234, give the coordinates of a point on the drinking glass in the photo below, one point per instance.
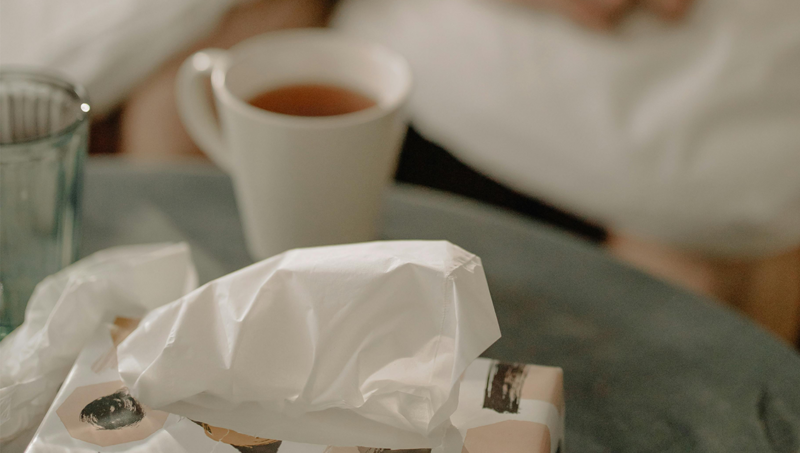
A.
x: 44, y: 129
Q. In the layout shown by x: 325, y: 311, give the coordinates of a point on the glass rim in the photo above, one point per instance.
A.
x: 53, y: 78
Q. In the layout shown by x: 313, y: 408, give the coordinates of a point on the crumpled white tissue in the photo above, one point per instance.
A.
x: 351, y: 345
x: 65, y: 310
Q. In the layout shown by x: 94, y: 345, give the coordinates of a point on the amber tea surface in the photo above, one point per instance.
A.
x: 312, y: 100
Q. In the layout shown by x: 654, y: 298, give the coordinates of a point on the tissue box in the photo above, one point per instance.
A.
x: 503, y: 407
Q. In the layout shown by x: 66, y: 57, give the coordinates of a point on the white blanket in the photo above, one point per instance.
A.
x: 688, y: 134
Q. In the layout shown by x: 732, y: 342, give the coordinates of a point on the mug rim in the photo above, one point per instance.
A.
x: 223, y: 65
x: 56, y: 79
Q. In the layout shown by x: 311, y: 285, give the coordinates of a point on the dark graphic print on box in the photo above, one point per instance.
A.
x: 106, y: 414
x: 115, y: 411
x: 504, y: 387
x: 374, y: 450
x: 514, y: 394
x: 239, y: 441
x: 389, y: 450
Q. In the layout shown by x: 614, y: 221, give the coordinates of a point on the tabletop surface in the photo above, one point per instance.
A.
x: 648, y: 367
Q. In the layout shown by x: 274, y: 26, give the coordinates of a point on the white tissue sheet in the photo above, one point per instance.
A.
x: 687, y: 132
x: 346, y: 345
x: 64, y: 311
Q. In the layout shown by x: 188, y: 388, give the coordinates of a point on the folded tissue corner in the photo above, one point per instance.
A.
x: 67, y: 307
x: 351, y: 345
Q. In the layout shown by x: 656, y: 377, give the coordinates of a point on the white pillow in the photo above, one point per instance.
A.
x: 688, y: 134
x: 107, y: 46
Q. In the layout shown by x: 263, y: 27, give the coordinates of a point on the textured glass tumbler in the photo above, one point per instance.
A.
x: 44, y: 129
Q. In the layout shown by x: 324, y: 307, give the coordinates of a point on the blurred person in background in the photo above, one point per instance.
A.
x: 678, y: 137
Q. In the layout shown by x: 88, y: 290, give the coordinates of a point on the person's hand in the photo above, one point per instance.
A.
x: 604, y: 14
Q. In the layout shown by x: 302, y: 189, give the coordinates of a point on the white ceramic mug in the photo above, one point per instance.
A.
x: 299, y: 181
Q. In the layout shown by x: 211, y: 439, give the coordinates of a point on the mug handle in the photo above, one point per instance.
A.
x: 194, y: 106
